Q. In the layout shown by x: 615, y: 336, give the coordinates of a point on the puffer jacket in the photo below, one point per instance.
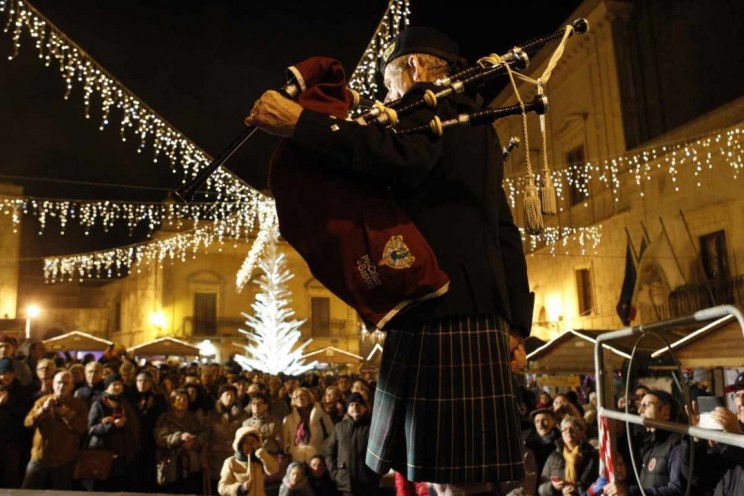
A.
x: 235, y: 472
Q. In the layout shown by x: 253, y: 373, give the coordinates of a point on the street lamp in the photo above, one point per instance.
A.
x: 32, y: 311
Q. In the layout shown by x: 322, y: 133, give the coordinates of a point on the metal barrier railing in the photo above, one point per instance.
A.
x: 601, y: 377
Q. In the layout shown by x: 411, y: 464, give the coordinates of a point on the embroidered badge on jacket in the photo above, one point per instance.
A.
x: 652, y: 465
x: 396, y: 254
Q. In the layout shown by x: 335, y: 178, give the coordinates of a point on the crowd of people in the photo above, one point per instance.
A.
x: 562, y: 457
x: 186, y: 429
x: 216, y: 429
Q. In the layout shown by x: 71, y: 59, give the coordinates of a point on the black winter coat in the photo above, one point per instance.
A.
x: 345, y: 456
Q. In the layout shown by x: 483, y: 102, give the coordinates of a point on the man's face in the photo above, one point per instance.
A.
x: 544, y: 423
x: 258, y: 407
x: 45, y: 370
x: 344, y: 384
x: 93, y: 373
x: 62, y: 385
x: 180, y: 402
x: 242, y: 387
x: 253, y: 389
x: 6, y: 378
x: 356, y: 410
x: 397, y: 81
x: 652, y: 408
x: 144, y: 384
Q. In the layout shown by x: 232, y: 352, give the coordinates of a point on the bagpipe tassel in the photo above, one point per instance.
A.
x: 547, y: 194
x: 533, y: 220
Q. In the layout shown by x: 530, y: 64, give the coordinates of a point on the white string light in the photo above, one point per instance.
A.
x: 555, y: 238
x: 137, y: 118
x: 118, y: 262
x: 696, y: 156
x: 238, y: 218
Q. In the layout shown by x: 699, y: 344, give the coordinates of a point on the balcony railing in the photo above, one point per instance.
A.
x: 688, y: 299
x: 219, y: 327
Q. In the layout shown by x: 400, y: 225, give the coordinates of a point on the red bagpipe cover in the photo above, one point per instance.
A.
x: 356, y: 240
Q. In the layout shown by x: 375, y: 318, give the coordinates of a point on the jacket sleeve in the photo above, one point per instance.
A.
x: 164, y: 438
x: 371, y: 151
x: 228, y: 484
x: 521, y: 299
x: 331, y: 454
x: 270, y: 465
x: 96, y: 427
x: 76, y: 417
x: 36, y: 415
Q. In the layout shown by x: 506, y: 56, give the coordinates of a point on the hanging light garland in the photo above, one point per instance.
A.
x: 120, y: 261
x: 697, y: 156
x: 555, y: 238
x: 237, y: 218
x: 265, y: 234
x: 137, y: 118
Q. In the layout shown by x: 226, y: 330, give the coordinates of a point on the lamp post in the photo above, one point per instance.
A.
x: 32, y: 311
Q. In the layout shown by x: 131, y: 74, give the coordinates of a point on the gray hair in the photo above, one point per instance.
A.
x: 573, y: 421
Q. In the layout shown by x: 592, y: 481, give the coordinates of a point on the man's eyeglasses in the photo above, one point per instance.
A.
x: 647, y: 404
x: 738, y: 395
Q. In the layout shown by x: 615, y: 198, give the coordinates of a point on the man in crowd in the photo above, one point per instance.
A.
x: 59, y: 420
x: 93, y: 387
x: 664, y: 455
x: 541, y: 439
x: 45, y: 370
x: 8, y: 348
x: 347, y: 448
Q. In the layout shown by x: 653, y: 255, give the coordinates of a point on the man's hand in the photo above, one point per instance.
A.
x: 726, y: 419
x: 274, y: 114
x: 247, y: 485
x: 120, y: 422
x: 3, y: 397
x: 518, y: 355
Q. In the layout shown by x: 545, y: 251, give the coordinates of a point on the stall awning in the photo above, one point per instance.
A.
x: 571, y: 353
x: 77, y: 341
x: 165, y: 347
x: 331, y: 354
x: 716, y: 344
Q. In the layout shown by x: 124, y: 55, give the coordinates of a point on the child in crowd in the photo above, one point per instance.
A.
x: 295, y: 481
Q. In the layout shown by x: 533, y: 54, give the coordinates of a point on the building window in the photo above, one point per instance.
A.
x: 205, y: 313
x: 320, y: 316
x: 584, y: 291
x: 577, y: 182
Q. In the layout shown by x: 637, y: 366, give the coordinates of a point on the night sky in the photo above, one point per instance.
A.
x: 200, y: 65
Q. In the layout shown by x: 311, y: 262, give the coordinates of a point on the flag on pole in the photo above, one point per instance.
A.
x: 625, y: 309
x: 606, y: 463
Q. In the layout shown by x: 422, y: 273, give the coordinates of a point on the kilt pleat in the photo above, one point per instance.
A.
x: 445, y: 409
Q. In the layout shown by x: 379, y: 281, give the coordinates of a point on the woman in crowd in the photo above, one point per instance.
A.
x: 243, y: 473
x: 562, y: 407
x: 306, y: 429
x: 114, y: 425
x: 179, y: 435
x: 148, y: 406
x: 573, y: 466
x: 222, y: 424
x: 543, y: 400
x: 333, y: 405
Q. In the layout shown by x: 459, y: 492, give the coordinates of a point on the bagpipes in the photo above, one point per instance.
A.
x: 355, y: 239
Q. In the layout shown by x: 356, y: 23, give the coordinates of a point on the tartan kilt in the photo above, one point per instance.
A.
x: 445, y: 409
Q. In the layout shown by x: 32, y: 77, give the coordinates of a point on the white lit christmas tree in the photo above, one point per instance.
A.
x: 274, y: 336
